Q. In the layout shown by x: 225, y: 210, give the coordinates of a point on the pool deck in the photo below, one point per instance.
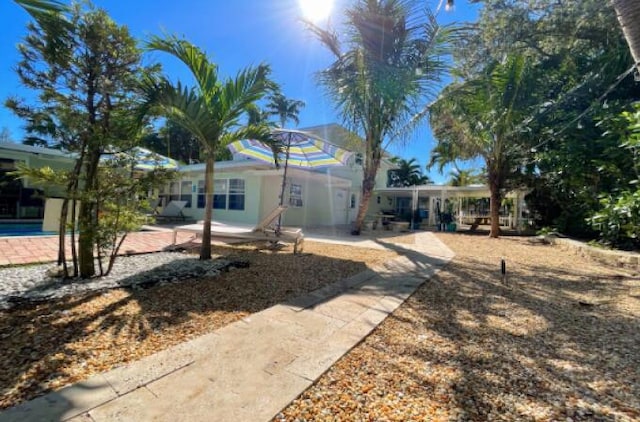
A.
x: 19, y: 250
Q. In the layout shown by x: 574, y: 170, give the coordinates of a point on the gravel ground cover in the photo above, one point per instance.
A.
x: 46, y: 346
x: 559, y: 342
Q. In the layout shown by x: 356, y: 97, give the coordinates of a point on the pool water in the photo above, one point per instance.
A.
x: 23, y: 229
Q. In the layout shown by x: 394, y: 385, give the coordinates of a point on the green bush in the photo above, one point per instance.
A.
x: 619, y: 220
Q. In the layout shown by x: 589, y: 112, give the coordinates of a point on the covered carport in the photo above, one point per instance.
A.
x: 466, y: 204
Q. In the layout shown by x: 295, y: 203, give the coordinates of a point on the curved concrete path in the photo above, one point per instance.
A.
x: 251, y: 369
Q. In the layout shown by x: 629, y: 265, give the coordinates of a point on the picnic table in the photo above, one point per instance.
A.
x: 479, y: 220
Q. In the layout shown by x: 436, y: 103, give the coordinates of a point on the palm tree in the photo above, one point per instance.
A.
x: 408, y: 173
x: 40, y: 8
x: 628, y: 12
x: 50, y: 15
x: 482, y: 118
x: 256, y: 116
x: 385, y: 77
x: 284, y: 108
x: 211, y: 110
x: 467, y: 177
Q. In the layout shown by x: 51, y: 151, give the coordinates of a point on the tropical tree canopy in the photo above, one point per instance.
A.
x: 465, y: 177
x: 580, y: 62
x: 211, y: 110
x: 85, y: 70
x: 483, y: 117
x: 284, y: 108
x: 407, y: 173
x: 387, y: 69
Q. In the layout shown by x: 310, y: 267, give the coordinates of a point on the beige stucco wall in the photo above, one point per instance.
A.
x: 262, y: 195
x: 251, y: 212
x: 317, y: 198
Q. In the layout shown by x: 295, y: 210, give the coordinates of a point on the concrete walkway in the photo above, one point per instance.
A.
x: 249, y: 370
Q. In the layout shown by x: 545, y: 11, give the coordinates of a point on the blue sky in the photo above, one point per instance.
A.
x: 234, y: 34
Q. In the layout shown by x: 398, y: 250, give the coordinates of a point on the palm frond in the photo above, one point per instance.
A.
x: 182, y: 105
x: 328, y: 37
x: 237, y: 94
x: 204, y: 71
x: 38, y: 8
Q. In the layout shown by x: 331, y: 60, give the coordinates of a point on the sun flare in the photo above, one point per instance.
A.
x: 316, y: 10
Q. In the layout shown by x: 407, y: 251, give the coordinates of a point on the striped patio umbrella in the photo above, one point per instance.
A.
x: 149, y: 160
x: 299, y: 149
x: 143, y: 159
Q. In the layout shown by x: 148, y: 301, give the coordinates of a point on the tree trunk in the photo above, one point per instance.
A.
x: 62, y: 231
x: 368, y: 183
x: 494, y: 209
x: 205, y: 249
x: 85, y: 240
x: 628, y: 12
x: 86, y: 220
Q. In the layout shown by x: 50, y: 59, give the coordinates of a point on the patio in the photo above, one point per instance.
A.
x: 19, y: 250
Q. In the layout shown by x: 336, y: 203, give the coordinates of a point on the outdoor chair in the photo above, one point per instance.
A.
x: 172, y: 212
x: 267, y: 229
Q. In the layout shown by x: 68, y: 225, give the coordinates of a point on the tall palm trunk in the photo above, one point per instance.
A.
x: 368, y: 183
x: 494, y: 208
x: 367, y: 189
x: 628, y: 12
x: 205, y: 249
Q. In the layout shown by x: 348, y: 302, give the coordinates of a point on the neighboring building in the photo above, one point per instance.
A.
x: 465, y: 204
x: 19, y: 199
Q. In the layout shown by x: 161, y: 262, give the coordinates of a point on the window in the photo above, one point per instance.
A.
x: 163, y: 195
x: 352, y: 201
x: 228, y: 194
x: 220, y: 194
x: 403, y: 207
x: 201, y: 195
x: 174, y: 191
x: 236, y: 194
x: 185, y: 193
x: 295, y: 195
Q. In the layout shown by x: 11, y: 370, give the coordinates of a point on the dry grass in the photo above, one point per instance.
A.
x: 50, y: 345
x: 560, y: 342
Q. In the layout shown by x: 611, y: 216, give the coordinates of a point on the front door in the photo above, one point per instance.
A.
x: 339, y: 209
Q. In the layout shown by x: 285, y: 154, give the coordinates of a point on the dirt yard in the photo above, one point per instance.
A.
x: 46, y: 346
x: 559, y: 341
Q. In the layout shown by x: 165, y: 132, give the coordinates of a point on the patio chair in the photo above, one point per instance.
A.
x: 154, y: 203
x: 172, y: 212
x: 264, y: 230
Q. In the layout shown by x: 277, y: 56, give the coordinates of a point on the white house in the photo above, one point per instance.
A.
x: 247, y: 189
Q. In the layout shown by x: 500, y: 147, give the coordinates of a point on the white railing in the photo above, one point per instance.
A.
x: 504, y: 221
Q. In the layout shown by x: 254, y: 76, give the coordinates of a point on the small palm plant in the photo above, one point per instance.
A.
x: 211, y: 110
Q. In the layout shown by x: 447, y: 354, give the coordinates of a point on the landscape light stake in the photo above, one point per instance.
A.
x: 503, y: 270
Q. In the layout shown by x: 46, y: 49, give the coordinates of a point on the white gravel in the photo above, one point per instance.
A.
x: 32, y: 283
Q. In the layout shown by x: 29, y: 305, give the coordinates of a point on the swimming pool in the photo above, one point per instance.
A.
x: 23, y: 229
